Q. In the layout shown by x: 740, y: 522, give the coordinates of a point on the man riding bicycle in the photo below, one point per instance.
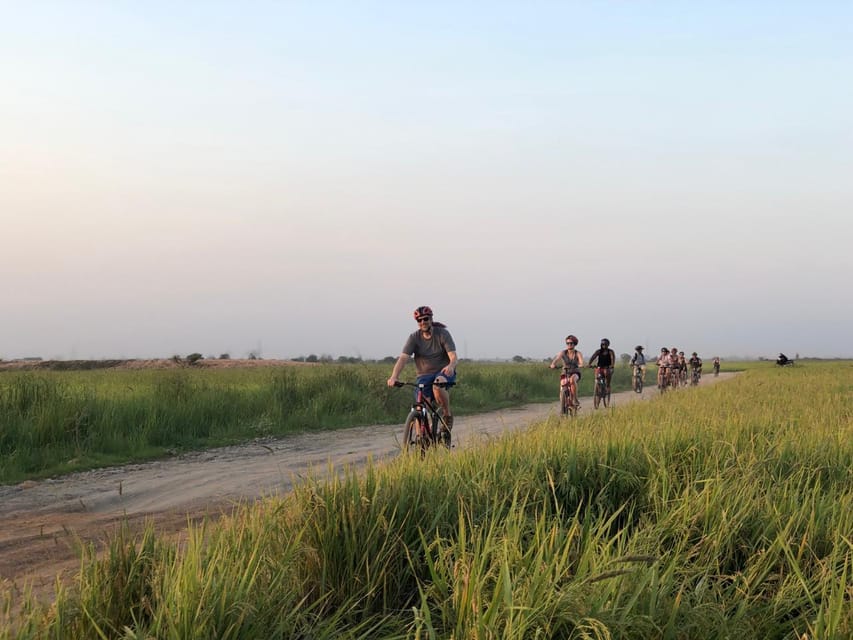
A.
x: 638, y: 361
x: 604, y: 358
x: 434, y: 352
x: 695, y: 364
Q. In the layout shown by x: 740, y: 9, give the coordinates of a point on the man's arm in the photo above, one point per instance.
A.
x: 398, y: 367
x: 450, y: 369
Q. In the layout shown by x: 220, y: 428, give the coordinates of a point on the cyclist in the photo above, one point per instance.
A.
x: 638, y: 361
x: 664, y: 362
x: 572, y: 360
x: 695, y: 363
x: 605, y: 358
x: 682, y: 366
x: 434, y: 352
x: 716, y: 365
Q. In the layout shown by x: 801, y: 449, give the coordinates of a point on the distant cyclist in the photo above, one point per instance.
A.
x: 664, y: 363
x: 572, y: 360
x: 716, y: 365
x: 434, y: 352
x: 638, y: 361
x: 605, y: 358
x: 695, y: 362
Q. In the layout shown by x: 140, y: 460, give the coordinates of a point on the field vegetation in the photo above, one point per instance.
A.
x: 60, y: 421
x: 717, y: 512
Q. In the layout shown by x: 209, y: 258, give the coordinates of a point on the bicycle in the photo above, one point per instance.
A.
x: 601, y: 394
x: 664, y: 373
x: 569, y: 404
x: 425, y: 426
x: 694, y: 378
x: 716, y: 369
x: 674, y: 377
x: 637, y: 380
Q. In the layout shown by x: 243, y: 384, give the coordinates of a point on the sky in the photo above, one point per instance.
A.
x: 293, y: 178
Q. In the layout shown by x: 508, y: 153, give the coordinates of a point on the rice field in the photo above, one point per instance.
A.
x: 718, y: 512
x: 58, y: 422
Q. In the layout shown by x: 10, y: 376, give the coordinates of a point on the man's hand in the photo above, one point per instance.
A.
x: 392, y: 382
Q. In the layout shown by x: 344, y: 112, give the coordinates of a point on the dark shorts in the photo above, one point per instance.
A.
x: 429, y: 378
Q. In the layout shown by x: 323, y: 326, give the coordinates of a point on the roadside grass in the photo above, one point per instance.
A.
x: 58, y: 422
x: 718, y: 512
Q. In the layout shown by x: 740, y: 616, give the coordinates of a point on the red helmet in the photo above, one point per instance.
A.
x: 571, y: 338
x: 420, y: 312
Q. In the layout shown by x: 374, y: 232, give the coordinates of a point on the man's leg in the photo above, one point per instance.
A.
x: 443, y: 398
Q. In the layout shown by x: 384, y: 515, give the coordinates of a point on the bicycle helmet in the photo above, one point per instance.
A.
x: 695, y: 354
x: 571, y: 338
x: 639, y: 347
x: 605, y: 342
x: 664, y: 350
x: 420, y: 312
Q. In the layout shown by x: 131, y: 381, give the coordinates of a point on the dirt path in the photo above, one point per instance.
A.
x: 41, y: 523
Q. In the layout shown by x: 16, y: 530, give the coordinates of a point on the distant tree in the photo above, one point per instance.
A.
x: 299, y: 359
x: 389, y: 360
x: 312, y: 358
x: 224, y: 356
x: 519, y: 359
x: 326, y: 357
x: 193, y: 358
x: 625, y: 358
x: 253, y: 355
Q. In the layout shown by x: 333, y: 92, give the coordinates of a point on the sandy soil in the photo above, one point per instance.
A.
x: 43, y: 523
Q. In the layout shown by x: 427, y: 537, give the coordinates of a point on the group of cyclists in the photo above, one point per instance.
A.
x: 673, y: 366
x: 434, y: 353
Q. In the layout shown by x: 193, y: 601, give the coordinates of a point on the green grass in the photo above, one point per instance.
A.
x: 719, y: 512
x: 57, y: 422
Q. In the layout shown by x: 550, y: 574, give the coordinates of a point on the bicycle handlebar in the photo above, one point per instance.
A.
x: 441, y: 385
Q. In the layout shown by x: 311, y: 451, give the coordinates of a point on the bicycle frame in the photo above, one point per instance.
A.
x: 601, y: 394
x: 568, y: 397
x: 424, y: 426
x: 695, y: 375
x: 637, y: 379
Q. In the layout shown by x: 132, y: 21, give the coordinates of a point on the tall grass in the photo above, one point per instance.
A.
x: 720, y: 512
x: 55, y: 422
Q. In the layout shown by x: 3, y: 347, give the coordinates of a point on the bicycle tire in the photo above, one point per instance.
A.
x: 409, y: 431
x: 564, y: 401
x: 638, y: 387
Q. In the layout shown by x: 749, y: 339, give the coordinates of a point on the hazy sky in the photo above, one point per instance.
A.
x: 296, y: 177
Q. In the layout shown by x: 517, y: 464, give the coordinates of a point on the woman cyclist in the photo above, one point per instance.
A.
x: 664, y: 362
x: 605, y: 358
x: 572, y: 360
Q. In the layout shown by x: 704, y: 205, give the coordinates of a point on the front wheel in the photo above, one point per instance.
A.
x: 565, y: 399
x: 415, y: 437
x: 638, y: 384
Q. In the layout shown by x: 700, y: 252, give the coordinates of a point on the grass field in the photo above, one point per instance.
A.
x: 56, y: 422
x: 719, y: 512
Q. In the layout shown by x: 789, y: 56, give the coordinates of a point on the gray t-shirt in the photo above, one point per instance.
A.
x: 430, y: 355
